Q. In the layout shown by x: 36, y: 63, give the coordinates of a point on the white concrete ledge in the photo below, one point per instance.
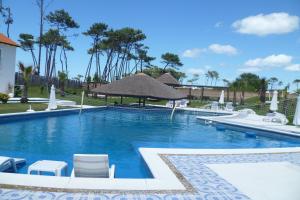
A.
x: 164, y: 178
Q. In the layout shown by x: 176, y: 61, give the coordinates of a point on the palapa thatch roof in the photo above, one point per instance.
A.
x: 168, y: 79
x: 139, y: 85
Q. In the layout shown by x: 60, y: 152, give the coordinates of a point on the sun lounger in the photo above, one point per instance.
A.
x: 92, y: 166
x: 276, y: 118
x: 7, y: 163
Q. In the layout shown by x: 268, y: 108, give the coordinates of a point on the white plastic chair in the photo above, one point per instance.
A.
x: 229, y: 107
x: 92, y: 166
x: 183, y: 103
x: 214, y: 106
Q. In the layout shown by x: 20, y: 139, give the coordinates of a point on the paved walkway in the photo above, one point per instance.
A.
x: 206, y: 183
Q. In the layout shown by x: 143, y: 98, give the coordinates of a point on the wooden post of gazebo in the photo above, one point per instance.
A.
x: 202, y: 93
x: 121, y: 99
x: 105, y: 99
x: 144, y: 102
x: 228, y: 94
x: 173, y: 103
x: 139, y: 101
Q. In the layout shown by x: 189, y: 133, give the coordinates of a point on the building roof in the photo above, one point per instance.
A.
x: 168, y: 79
x: 140, y: 85
x: 8, y: 41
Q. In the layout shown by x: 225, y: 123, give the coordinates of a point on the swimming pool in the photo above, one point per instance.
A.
x: 119, y: 132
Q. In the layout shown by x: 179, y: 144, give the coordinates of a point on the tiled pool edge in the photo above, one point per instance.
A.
x: 150, y: 154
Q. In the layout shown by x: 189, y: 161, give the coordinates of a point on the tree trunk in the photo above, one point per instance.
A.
x: 41, y: 34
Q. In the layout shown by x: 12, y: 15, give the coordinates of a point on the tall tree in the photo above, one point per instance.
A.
x: 297, y: 81
x: 262, y: 91
x: 8, y: 19
x: 226, y: 82
x: 62, y: 77
x: 27, y: 44
x: 272, y: 81
x: 215, y: 75
x: 62, y: 21
x: 97, y: 32
x: 42, y: 5
x: 171, y: 60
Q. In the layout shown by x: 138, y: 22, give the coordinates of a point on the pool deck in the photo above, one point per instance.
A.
x: 252, y: 121
x: 203, y: 174
x: 178, y: 174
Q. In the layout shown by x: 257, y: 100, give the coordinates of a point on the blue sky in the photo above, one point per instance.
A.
x: 231, y: 37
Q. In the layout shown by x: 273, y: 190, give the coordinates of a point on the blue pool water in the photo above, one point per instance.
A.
x: 119, y: 133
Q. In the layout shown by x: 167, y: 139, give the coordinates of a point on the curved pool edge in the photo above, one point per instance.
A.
x: 48, y: 112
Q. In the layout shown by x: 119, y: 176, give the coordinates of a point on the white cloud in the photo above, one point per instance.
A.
x: 207, y: 67
x: 249, y: 69
x: 192, y: 71
x: 279, y: 60
x: 274, y: 23
x: 218, y: 24
x: 223, y: 49
x: 293, y: 68
x: 269, y: 62
x: 192, y: 53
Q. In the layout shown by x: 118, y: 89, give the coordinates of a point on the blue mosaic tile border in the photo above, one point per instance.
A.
x: 208, y: 184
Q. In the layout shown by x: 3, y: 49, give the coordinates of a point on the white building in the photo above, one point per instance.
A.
x: 7, y: 64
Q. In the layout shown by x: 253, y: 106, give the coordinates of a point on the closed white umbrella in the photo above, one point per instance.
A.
x: 52, y: 101
x: 274, y: 102
x: 268, y: 92
x: 221, y: 100
x: 296, y: 120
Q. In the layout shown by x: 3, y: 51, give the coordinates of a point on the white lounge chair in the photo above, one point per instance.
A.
x: 169, y: 104
x: 245, y: 112
x: 7, y: 163
x: 92, y: 166
x: 276, y: 118
x: 229, y: 107
x: 183, y: 103
x: 214, y: 106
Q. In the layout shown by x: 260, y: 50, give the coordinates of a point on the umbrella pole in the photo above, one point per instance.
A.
x: 121, y: 100
x: 144, y: 102
x: 139, y: 101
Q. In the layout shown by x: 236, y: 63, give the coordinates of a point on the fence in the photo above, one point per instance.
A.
x: 37, y: 80
x: 285, y: 106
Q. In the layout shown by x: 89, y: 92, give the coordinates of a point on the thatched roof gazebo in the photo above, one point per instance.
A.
x: 139, y: 86
x: 168, y: 79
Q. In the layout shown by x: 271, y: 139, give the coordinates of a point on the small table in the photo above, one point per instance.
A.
x: 55, y: 167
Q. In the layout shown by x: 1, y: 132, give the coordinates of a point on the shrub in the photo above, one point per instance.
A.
x: 4, y: 98
x: 17, y: 91
x: 24, y: 100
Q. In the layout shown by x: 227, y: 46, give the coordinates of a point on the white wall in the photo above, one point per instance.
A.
x: 7, y: 67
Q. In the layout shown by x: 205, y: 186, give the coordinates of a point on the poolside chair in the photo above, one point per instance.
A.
x: 7, y: 163
x: 183, y: 103
x: 276, y: 118
x: 214, y: 106
x: 229, y: 107
x: 245, y: 112
x: 92, y: 166
x: 169, y: 104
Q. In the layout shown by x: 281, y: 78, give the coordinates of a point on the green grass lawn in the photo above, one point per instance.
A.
x: 20, y: 107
